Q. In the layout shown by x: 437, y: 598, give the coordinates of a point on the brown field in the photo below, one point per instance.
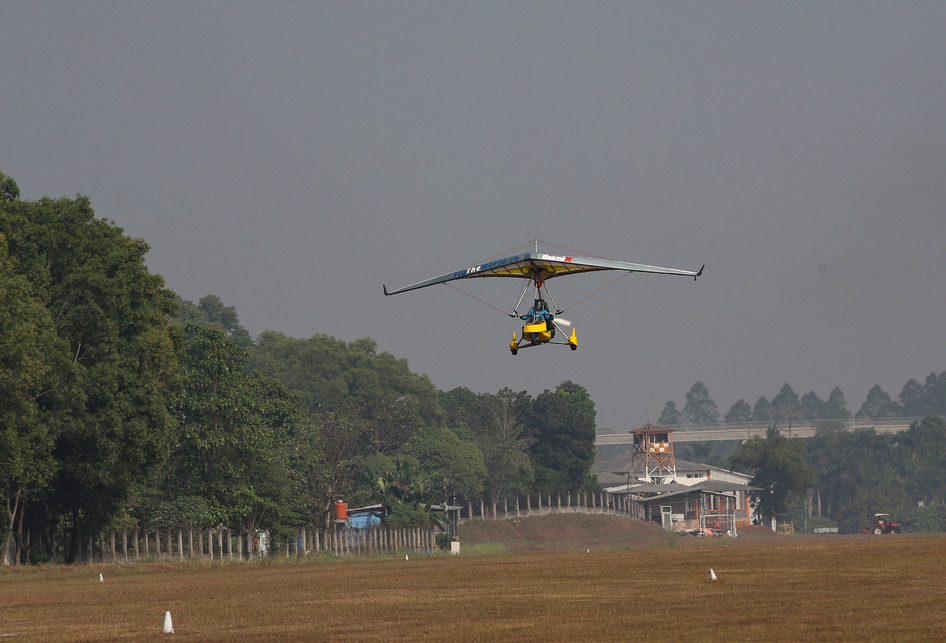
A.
x: 653, y: 588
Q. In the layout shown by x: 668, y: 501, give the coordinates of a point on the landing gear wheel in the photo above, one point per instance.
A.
x: 514, y: 351
x: 573, y: 347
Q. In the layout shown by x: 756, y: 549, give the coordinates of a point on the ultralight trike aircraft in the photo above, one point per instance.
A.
x: 528, y: 262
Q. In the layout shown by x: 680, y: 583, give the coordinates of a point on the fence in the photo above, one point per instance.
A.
x: 598, y: 502
x: 226, y: 544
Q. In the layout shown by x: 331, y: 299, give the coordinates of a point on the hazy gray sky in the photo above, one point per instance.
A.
x: 291, y: 157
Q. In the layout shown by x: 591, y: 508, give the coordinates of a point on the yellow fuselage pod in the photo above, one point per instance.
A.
x: 541, y: 332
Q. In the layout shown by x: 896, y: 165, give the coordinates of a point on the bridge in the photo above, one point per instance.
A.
x: 711, y: 432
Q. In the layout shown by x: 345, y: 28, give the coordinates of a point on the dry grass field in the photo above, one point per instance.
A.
x: 787, y: 588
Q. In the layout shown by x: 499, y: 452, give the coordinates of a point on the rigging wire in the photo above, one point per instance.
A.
x: 610, y: 283
x: 463, y: 292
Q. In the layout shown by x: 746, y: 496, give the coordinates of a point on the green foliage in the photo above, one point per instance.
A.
x: 762, y: 410
x: 670, y: 416
x: 929, y: 398
x: 739, y: 412
x: 878, y: 405
x: 184, y: 511
x: 441, y: 455
x: 96, y: 355
x: 238, y: 434
x: 404, y: 489
x: 209, y: 312
x: 495, y: 424
x: 925, y: 443
x: 778, y: 467
x: 925, y: 518
x: 861, y: 473
x: 354, y: 379
x: 700, y: 409
x: 9, y: 191
x: 563, y: 426
x: 786, y: 406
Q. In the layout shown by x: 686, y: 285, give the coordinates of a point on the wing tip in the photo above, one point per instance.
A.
x: 700, y: 273
x: 385, y: 288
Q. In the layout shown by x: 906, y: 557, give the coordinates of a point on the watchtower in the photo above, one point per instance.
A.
x: 653, y: 460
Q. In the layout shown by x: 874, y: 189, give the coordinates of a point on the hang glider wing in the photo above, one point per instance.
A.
x: 544, y: 266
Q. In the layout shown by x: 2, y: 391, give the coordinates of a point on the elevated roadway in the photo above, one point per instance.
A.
x: 707, y: 433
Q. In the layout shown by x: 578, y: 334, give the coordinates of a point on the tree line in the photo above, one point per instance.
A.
x: 842, y: 478
x: 915, y: 400
x: 122, y: 405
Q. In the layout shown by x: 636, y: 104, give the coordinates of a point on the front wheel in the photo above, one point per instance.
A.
x: 878, y: 531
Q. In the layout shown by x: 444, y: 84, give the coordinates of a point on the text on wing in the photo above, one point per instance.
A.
x: 486, y: 266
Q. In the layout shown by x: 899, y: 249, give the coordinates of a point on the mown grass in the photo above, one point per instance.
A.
x: 859, y: 588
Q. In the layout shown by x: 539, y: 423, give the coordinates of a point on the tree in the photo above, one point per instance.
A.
x: 563, y: 426
x: 505, y: 442
x: 812, y: 407
x: 835, y: 408
x: 237, y: 431
x: 785, y: 405
x: 926, y: 442
x: 210, y: 312
x: 670, y: 416
x: 443, y: 456
x: 878, y: 405
x: 28, y: 350
x: 926, y: 399
x: 739, y: 412
x: 700, y: 409
x: 778, y: 467
x: 405, y: 491
x: 331, y: 374
x: 762, y: 410
x: 9, y: 191
x: 496, y: 424
x: 112, y: 364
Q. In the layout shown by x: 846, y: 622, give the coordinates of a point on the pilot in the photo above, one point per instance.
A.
x: 539, y: 312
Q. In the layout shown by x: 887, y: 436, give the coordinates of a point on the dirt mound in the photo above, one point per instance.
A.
x: 564, y: 532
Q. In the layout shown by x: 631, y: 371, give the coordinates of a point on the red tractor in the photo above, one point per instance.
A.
x: 884, y: 526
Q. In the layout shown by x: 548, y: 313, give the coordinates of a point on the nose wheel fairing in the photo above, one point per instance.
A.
x: 538, y: 334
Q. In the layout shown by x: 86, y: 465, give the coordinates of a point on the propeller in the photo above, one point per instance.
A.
x: 563, y: 322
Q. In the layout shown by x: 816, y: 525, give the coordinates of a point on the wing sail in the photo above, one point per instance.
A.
x: 529, y: 265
